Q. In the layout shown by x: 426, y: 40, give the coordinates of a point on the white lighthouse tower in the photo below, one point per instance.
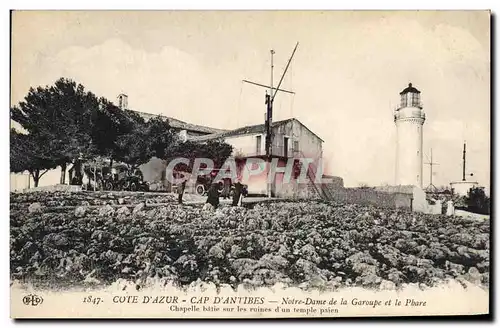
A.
x: 409, y: 119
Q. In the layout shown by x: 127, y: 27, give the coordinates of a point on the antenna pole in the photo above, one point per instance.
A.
x: 269, y: 119
x: 463, y: 167
x: 266, y: 86
x: 269, y: 115
x: 269, y: 105
x: 431, y: 165
x: 272, y: 69
x: 286, y: 68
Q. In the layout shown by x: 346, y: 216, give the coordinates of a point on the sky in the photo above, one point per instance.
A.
x: 347, y: 74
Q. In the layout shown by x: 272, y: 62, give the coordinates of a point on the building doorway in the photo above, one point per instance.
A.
x: 285, y: 147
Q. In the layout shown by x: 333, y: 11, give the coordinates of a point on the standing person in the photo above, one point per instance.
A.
x: 213, y: 195
x: 138, y: 173
x: 238, y: 187
x: 227, y: 188
x: 114, y: 174
x: 180, y: 190
x: 450, y: 209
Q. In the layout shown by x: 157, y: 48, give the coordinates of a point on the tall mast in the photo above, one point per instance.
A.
x: 272, y: 69
x: 463, y: 167
x: 269, y: 105
x: 431, y: 164
x: 269, y: 121
x: 269, y: 114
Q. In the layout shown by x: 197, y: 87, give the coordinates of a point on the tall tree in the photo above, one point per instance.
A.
x: 109, y: 123
x: 138, y: 141
x: 218, y: 151
x: 62, y: 114
x: 31, y: 153
x: 134, y: 147
x: 162, y: 138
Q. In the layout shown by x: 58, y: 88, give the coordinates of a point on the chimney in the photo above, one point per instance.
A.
x: 183, y: 135
x: 123, y: 101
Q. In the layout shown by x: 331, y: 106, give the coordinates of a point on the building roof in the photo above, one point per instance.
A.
x: 408, y: 89
x: 250, y: 129
x: 181, y: 125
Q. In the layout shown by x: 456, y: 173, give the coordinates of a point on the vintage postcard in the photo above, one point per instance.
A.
x: 249, y: 164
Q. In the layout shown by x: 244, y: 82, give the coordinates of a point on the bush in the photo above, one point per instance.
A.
x: 477, y: 201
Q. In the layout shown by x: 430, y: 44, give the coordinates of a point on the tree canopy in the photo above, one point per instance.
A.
x: 216, y: 150
x: 60, y: 116
x: 31, y: 154
x: 65, y: 124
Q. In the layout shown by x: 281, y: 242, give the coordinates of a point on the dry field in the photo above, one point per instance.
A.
x: 60, y: 239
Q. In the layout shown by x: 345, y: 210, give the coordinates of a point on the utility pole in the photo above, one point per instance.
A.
x: 269, y: 122
x: 463, y: 167
x: 269, y: 112
x: 431, y: 186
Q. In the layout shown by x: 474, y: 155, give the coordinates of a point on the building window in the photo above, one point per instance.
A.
x: 295, y: 146
x: 403, y: 101
x: 416, y: 100
x: 259, y: 144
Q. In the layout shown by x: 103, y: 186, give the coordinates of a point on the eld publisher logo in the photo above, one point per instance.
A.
x: 33, y: 300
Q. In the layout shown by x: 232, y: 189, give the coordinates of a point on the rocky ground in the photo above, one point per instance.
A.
x: 86, y: 238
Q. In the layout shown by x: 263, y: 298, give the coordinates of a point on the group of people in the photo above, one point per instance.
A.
x: 213, y: 194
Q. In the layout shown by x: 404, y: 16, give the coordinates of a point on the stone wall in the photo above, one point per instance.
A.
x: 307, y: 191
x: 58, y: 187
x: 310, y: 190
x: 334, y: 182
x: 369, y: 197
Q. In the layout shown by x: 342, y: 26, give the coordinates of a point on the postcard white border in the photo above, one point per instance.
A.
x: 199, y: 4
